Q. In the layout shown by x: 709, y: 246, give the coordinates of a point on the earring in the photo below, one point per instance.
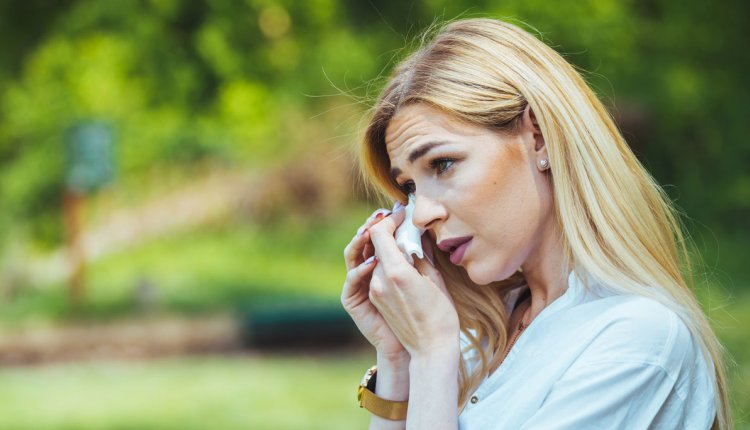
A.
x: 543, y: 164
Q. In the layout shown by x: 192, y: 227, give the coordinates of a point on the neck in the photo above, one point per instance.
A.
x: 544, y: 272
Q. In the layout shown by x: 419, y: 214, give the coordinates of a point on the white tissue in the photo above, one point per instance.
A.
x: 409, y: 237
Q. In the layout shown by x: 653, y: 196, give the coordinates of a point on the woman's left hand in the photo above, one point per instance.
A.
x: 413, y: 300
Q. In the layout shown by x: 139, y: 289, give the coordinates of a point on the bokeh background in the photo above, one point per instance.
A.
x: 177, y: 186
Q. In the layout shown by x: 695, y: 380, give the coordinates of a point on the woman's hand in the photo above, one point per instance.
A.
x: 355, y: 297
x: 413, y: 300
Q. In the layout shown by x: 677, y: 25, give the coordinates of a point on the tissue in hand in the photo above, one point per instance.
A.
x: 409, y: 237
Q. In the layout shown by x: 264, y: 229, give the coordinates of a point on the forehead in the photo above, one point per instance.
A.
x: 419, y: 123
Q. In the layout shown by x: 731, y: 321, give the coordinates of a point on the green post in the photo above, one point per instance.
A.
x: 89, y: 165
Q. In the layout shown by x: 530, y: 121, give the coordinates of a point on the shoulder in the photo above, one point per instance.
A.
x: 639, y: 337
x: 641, y: 329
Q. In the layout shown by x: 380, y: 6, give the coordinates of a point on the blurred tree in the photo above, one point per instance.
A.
x: 183, y: 81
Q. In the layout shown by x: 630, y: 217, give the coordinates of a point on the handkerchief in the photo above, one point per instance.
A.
x: 408, y: 236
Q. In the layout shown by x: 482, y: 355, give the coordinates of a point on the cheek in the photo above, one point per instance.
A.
x: 506, y: 212
x: 503, y: 200
x: 514, y: 216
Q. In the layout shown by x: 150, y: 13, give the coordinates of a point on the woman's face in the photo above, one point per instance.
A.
x: 472, y: 182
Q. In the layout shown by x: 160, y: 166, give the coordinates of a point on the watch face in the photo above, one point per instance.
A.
x: 368, y: 375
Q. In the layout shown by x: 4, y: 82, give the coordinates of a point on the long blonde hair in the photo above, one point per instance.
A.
x: 617, y: 223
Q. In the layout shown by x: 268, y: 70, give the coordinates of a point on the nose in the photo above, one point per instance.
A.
x: 427, y: 212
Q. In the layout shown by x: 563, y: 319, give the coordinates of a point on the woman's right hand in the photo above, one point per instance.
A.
x: 360, y: 261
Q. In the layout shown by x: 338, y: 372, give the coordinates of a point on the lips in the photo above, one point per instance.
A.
x: 456, y: 247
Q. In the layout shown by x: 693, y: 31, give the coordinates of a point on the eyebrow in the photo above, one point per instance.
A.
x: 419, y: 152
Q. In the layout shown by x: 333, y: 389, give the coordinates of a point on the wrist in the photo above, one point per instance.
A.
x: 393, y: 379
x: 381, y: 407
x: 442, y: 355
x: 395, y: 360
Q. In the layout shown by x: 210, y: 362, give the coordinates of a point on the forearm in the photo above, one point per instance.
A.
x: 392, y: 384
x: 433, y: 390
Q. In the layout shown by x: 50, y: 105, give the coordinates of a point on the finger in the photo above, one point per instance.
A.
x: 354, y: 253
x: 382, y: 239
x: 355, y: 276
x: 375, y: 218
x: 369, y: 250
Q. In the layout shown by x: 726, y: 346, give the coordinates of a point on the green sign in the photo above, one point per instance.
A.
x: 90, y: 156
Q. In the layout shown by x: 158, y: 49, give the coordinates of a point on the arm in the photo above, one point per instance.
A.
x: 433, y: 391
x: 429, y: 381
x: 417, y: 307
x: 392, y: 359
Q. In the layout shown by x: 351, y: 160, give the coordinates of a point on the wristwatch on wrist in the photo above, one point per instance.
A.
x: 379, y: 406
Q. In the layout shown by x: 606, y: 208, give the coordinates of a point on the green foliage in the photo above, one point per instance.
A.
x: 183, y: 81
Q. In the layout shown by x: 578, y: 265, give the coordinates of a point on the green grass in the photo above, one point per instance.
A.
x: 274, y: 393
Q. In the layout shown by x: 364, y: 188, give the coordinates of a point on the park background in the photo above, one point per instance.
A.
x: 230, y: 190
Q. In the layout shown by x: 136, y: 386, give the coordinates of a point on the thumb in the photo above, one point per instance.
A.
x: 388, y: 225
x: 391, y: 222
x: 383, y: 240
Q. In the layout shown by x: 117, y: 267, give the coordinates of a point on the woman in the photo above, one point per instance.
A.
x: 552, y: 294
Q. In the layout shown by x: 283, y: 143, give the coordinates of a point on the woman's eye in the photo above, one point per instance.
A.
x: 442, y: 164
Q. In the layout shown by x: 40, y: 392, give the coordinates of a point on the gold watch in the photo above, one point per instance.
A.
x: 379, y: 406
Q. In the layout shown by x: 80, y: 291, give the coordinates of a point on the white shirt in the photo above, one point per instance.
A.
x: 595, y: 360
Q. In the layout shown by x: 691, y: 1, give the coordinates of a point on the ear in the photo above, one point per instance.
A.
x: 530, y: 127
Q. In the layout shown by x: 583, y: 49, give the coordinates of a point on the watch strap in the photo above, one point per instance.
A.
x: 388, y: 409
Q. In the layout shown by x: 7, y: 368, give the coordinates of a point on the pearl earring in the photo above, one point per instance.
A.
x: 543, y: 163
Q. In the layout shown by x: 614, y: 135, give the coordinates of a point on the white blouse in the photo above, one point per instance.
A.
x: 596, y: 360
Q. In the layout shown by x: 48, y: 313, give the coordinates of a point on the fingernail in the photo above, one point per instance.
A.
x: 361, y: 231
x: 379, y: 213
x: 384, y: 213
x: 398, y: 206
x: 370, y: 260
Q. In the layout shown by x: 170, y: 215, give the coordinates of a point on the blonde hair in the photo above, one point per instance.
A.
x: 617, y: 223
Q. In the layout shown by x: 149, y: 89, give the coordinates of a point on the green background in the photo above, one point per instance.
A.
x: 274, y: 93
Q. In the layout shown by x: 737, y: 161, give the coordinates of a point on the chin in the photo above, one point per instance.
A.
x: 478, y: 275
x: 486, y: 275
